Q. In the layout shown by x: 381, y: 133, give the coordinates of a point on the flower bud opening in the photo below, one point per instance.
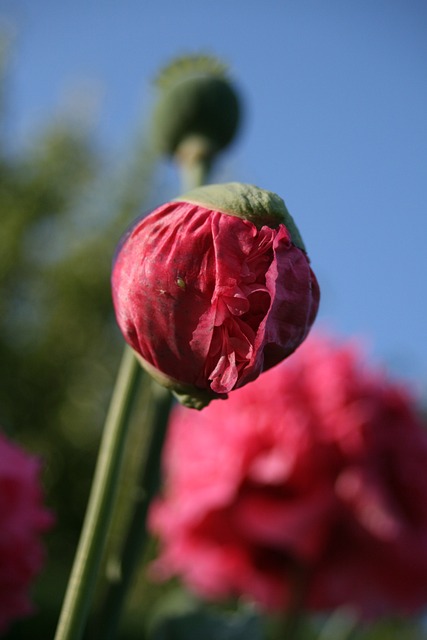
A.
x: 214, y: 288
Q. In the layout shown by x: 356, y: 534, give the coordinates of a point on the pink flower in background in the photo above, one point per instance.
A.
x: 317, y: 471
x: 212, y: 298
x: 23, y: 518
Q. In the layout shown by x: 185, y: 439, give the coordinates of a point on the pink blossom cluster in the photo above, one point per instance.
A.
x: 314, y: 474
x: 23, y: 519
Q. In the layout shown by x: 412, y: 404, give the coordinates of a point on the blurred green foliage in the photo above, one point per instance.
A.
x: 63, y: 206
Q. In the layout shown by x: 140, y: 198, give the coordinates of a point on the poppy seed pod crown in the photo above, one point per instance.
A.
x: 196, y: 101
x: 214, y: 288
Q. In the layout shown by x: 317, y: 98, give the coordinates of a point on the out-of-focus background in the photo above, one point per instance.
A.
x: 335, y: 99
x: 335, y: 102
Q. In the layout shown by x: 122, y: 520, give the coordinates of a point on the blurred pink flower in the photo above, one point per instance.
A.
x: 22, y: 519
x: 211, y: 299
x: 316, y: 472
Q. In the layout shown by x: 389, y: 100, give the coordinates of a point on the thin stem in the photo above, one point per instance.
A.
x: 91, y: 545
x: 193, y: 174
x: 137, y: 534
x: 194, y: 157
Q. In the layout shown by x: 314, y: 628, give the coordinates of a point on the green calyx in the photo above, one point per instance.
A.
x: 246, y: 201
x: 187, y: 394
x: 196, y: 100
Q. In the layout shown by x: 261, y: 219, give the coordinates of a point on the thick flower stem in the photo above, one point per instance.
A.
x: 194, y: 157
x: 136, y: 537
x: 88, y: 558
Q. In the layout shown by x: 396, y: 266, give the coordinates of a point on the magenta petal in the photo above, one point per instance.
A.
x: 23, y: 521
x: 316, y: 470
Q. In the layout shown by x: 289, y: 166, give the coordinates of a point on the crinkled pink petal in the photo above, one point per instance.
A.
x: 291, y: 480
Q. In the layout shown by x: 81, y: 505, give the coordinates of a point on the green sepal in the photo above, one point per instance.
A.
x: 259, y: 206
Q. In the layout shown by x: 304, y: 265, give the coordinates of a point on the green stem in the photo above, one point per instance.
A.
x: 91, y: 545
x: 137, y: 535
x: 193, y: 174
x: 194, y: 157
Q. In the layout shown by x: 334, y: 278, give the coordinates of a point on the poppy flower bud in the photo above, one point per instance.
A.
x: 214, y: 288
x: 198, y: 111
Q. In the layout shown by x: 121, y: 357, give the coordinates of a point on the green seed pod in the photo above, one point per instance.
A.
x: 196, y: 102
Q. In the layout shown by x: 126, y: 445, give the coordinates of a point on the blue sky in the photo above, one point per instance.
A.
x: 335, y: 97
